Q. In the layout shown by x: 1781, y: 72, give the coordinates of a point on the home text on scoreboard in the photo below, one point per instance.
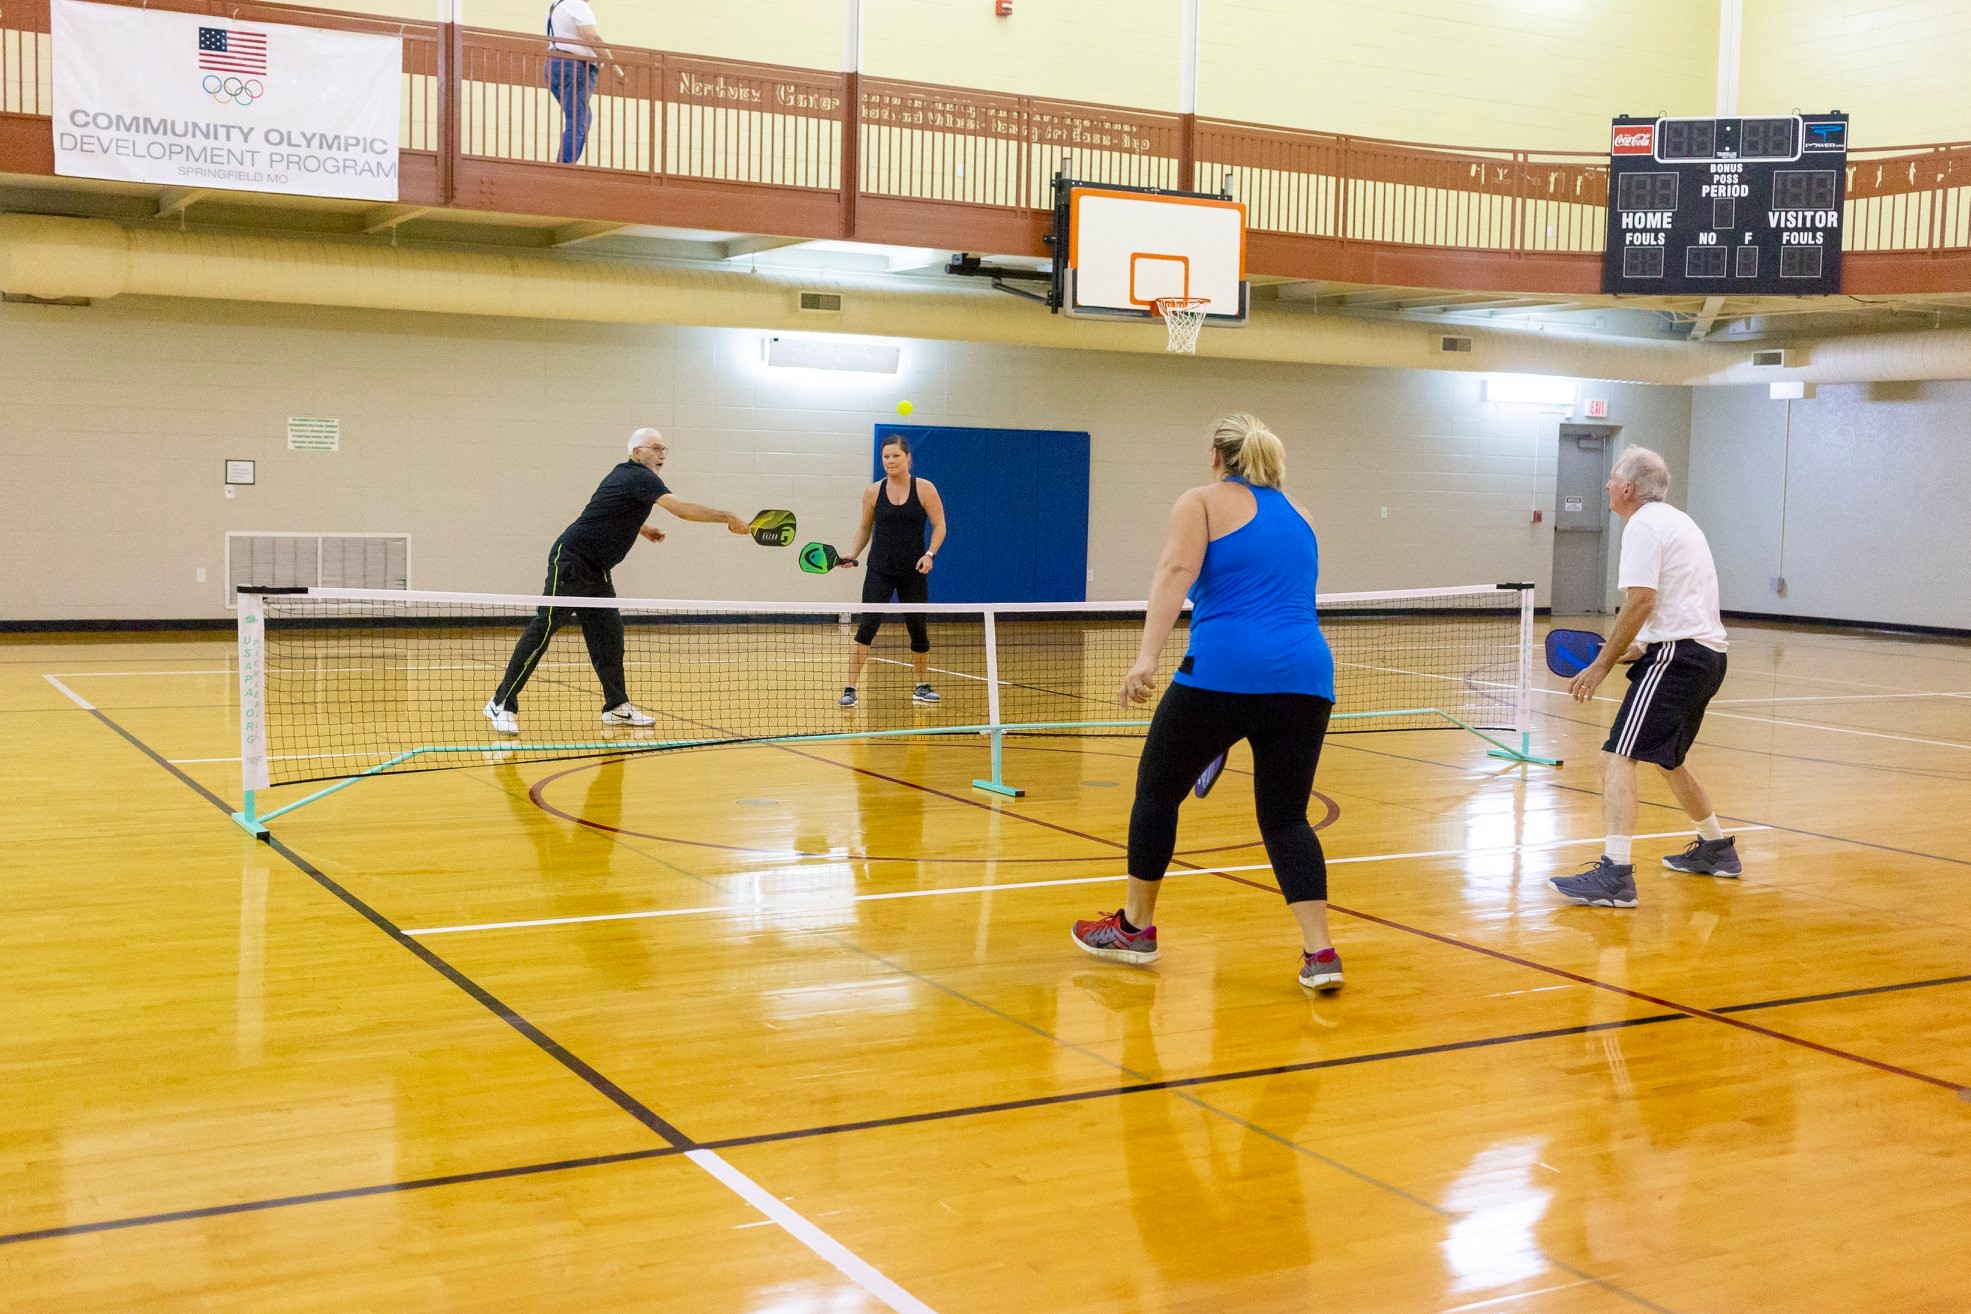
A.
x: 1726, y: 206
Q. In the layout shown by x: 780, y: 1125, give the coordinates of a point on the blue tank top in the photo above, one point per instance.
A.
x: 1253, y: 628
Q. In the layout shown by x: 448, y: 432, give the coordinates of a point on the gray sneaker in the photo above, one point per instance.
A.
x: 848, y: 696
x: 1604, y: 883
x: 1704, y: 857
x: 1321, y: 972
x: 924, y: 693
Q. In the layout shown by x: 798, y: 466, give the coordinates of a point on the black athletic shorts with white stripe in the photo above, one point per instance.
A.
x: 1670, y: 685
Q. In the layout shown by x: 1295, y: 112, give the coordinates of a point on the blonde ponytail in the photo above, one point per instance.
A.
x: 1250, y: 450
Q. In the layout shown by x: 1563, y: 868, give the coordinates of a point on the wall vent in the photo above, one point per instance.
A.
x: 1450, y: 343
x: 824, y: 302
x: 1774, y: 359
x: 332, y: 561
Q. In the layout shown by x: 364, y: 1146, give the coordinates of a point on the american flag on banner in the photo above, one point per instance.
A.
x: 225, y: 50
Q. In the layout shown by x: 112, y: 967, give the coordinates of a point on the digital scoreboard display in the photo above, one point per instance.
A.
x: 1726, y: 206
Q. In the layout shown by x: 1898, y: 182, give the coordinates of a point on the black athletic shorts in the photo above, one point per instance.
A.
x: 1670, y: 685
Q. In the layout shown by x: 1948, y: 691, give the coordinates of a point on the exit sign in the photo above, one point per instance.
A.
x: 1597, y: 409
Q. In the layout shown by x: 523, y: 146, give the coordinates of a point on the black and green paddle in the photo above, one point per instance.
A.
x: 820, y: 558
x: 772, y: 528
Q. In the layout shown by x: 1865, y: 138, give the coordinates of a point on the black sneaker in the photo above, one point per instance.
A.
x: 1718, y: 857
x: 848, y: 696
x: 1604, y: 883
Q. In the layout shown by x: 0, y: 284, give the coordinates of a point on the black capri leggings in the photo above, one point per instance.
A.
x: 878, y: 586
x: 1191, y: 727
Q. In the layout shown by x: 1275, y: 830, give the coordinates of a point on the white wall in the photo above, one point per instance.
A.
x: 482, y: 438
x: 1874, y: 496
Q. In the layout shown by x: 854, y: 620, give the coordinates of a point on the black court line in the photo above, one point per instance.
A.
x: 347, y: 1193
x: 1859, y: 993
x: 615, y: 1094
x: 678, y: 1143
x: 1185, y: 1083
x: 949, y: 1114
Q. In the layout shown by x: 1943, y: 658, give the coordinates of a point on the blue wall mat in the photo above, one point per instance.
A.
x: 1016, y: 507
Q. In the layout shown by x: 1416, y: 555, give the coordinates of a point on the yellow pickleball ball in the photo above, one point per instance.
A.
x: 904, y: 408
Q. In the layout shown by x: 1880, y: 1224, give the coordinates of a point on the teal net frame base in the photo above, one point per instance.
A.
x: 255, y: 822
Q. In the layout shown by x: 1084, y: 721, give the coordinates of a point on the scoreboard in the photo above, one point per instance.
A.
x: 1726, y: 206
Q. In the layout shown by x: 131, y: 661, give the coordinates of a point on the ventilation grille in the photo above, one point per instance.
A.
x: 826, y: 302
x: 1449, y: 343
x: 1769, y: 359
x: 334, y: 561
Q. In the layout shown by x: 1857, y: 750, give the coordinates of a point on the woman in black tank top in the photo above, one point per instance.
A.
x: 896, y: 510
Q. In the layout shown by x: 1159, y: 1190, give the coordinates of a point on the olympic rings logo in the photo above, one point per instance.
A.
x: 233, y: 91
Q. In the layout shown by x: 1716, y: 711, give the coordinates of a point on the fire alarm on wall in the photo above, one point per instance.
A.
x: 1004, y: 8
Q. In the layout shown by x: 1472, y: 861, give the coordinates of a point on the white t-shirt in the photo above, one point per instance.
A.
x: 565, y: 21
x: 1663, y: 549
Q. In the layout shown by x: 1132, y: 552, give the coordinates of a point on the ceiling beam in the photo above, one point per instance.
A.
x: 176, y: 202
x: 740, y: 247
x: 386, y: 218
x: 577, y: 234
x: 1701, y: 326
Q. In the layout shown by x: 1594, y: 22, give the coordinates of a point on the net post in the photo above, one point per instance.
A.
x: 1523, y: 694
x: 997, y: 784
x: 252, y: 656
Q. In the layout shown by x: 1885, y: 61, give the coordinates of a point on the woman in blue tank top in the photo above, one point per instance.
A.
x: 1258, y: 669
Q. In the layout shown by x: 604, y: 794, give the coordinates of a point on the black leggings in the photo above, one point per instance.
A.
x: 880, y: 586
x: 1192, y: 726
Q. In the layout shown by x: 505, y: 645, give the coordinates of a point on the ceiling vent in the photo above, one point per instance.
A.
x: 1450, y: 343
x: 826, y: 303
x: 1773, y: 360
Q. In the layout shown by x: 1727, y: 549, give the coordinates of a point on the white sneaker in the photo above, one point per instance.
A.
x: 504, y: 722
x: 627, y: 714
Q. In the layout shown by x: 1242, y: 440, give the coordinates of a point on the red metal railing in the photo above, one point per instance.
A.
x: 688, y: 141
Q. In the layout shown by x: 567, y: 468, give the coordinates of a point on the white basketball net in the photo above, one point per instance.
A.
x: 1184, y: 316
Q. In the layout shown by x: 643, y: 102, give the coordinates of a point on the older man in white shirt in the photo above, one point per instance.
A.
x: 1671, y: 629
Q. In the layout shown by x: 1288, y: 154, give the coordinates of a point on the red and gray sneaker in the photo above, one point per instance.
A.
x: 1321, y: 971
x: 1105, y: 938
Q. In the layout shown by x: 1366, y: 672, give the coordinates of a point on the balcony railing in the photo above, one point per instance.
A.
x: 686, y: 141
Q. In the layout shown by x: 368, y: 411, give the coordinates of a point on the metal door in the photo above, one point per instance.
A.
x: 1581, y: 520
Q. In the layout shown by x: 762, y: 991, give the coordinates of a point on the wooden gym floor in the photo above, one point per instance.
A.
x: 800, y: 1029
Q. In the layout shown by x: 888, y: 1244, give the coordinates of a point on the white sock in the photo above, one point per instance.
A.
x: 1709, y: 829
x: 1617, y: 847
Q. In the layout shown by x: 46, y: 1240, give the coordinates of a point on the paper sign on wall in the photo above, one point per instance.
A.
x: 1572, y: 504
x: 210, y: 100
x: 313, y: 433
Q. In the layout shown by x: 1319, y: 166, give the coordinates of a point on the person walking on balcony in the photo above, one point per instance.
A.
x: 575, y: 47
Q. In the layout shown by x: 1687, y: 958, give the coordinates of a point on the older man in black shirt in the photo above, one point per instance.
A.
x: 578, y: 567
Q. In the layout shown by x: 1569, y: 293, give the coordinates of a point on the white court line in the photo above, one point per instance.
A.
x: 73, y: 696
x: 1803, y: 725
x: 781, y: 909
x: 1838, y: 698
x: 840, y: 1257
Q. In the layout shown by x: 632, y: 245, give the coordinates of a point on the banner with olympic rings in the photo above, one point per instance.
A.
x: 196, y: 100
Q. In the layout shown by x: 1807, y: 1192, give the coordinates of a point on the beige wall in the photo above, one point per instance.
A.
x: 1113, y: 52
x: 1541, y: 74
x: 806, y: 33
x: 1900, y: 68
x: 482, y: 438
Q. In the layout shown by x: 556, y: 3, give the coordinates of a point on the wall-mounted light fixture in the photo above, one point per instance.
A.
x: 1529, y: 389
x: 822, y: 354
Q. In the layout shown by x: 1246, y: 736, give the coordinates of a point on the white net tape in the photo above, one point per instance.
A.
x: 1184, y: 316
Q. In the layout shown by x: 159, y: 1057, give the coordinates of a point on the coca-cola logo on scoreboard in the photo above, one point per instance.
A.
x: 1634, y: 141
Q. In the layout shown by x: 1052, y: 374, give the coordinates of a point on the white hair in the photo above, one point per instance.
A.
x: 1646, y: 470
x: 641, y: 436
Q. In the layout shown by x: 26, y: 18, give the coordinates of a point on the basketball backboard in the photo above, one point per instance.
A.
x: 1127, y: 248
